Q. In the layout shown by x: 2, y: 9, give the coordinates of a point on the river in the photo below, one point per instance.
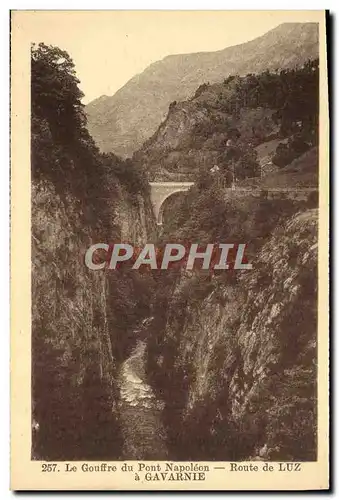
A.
x: 140, y: 411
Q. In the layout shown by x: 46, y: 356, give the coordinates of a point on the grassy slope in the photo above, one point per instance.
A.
x: 301, y: 173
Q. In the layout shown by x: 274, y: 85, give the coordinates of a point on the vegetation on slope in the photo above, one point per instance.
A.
x: 229, y: 348
x: 224, y: 125
x: 82, y: 320
x: 233, y: 354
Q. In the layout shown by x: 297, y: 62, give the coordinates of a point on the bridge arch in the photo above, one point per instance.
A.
x: 167, y: 207
x: 160, y: 191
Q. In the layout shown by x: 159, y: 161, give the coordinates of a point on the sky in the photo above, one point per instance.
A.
x: 110, y: 47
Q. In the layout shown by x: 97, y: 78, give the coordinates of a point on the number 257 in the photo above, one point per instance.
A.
x: 48, y: 467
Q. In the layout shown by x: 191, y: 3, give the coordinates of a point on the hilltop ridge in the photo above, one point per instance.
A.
x: 122, y: 122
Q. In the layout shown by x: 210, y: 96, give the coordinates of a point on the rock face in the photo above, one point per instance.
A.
x: 71, y: 342
x: 82, y: 320
x: 194, y: 135
x: 76, y: 324
x: 122, y: 122
x: 236, y: 362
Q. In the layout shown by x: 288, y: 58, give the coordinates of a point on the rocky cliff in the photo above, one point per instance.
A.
x: 82, y: 323
x: 234, y: 354
x: 82, y: 320
x: 122, y: 122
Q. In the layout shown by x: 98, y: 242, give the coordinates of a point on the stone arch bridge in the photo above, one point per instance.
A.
x: 160, y: 191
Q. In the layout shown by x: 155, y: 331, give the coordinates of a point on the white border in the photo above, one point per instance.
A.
x: 4, y: 183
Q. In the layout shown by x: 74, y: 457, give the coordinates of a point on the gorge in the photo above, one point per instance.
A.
x: 177, y: 364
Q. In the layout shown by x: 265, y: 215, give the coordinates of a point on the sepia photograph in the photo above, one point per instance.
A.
x: 175, y: 174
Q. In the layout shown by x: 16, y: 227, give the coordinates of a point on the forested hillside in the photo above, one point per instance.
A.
x: 82, y: 321
x: 245, y: 126
x: 233, y: 354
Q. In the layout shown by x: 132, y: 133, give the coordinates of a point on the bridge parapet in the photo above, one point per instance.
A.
x: 160, y: 191
x: 291, y: 193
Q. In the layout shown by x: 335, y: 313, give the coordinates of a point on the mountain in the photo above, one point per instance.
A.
x: 250, y: 125
x: 122, y: 122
